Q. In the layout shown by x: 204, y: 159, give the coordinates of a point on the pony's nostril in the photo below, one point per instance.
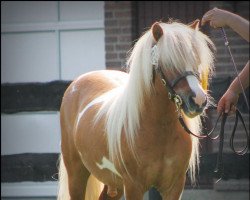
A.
x: 191, y: 100
x: 198, y: 101
x: 193, y: 103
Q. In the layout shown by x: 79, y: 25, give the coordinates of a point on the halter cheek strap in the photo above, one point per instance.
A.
x: 169, y: 87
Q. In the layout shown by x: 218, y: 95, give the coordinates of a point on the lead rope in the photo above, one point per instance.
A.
x: 219, y: 165
x: 235, y: 68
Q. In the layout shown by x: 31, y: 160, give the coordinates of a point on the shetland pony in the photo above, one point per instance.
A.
x: 120, y: 133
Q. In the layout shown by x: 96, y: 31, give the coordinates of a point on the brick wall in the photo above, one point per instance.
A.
x: 118, y: 32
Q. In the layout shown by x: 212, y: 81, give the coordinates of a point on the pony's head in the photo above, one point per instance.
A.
x: 183, y: 59
x: 183, y: 54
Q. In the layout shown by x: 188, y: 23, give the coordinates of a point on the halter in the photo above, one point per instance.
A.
x: 170, y: 86
x: 172, y: 95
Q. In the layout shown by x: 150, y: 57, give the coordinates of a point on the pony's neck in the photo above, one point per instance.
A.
x: 158, y: 103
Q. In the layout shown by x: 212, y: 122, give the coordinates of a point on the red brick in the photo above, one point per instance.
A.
x: 113, y: 31
x: 109, y: 47
x: 125, y: 38
x: 111, y: 39
x: 123, y: 55
x: 111, y: 56
x: 123, y: 14
x: 113, y: 64
x: 125, y: 23
x: 121, y: 5
x: 126, y: 30
x: 111, y: 23
x: 109, y: 14
x: 125, y: 47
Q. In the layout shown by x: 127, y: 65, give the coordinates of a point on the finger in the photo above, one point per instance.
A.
x: 206, y: 18
x: 220, y: 108
x: 233, y: 109
x: 227, y: 107
x: 212, y: 24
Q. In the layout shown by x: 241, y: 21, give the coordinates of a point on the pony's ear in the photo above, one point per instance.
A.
x: 195, y: 24
x: 157, y: 31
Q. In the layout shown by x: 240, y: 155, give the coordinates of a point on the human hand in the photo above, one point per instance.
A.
x: 216, y: 17
x: 227, y: 102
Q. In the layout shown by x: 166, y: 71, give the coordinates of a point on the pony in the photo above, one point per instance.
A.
x: 120, y: 133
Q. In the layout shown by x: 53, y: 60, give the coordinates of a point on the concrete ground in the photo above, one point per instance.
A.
x: 224, y: 190
x: 214, y: 195
x: 187, y: 195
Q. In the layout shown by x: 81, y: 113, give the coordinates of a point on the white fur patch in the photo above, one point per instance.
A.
x: 106, y: 164
x: 200, y: 97
x: 96, y: 101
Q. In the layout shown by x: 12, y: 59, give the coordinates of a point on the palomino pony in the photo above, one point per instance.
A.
x: 123, y: 129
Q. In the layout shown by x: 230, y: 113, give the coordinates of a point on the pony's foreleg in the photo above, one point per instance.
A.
x: 176, y: 192
x: 75, y: 179
x: 72, y: 181
x: 133, y: 192
x: 78, y: 178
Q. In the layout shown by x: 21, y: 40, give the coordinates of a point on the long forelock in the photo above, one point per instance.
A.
x: 183, y: 48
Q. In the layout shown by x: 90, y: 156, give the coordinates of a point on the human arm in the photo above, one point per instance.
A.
x: 221, y: 18
x: 230, y: 98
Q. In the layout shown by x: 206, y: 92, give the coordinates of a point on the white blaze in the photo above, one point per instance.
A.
x: 200, y: 96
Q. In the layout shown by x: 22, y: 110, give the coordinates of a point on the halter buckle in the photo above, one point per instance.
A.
x: 177, y: 100
x: 164, y: 82
x: 178, y: 103
x: 169, y: 95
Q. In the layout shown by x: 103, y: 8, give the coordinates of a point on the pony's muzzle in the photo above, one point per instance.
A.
x: 191, y: 108
x: 197, y: 106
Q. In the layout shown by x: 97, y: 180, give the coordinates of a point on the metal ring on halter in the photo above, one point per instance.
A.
x: 169, y: 95
x: 177, y: 100
x: 164, y: 82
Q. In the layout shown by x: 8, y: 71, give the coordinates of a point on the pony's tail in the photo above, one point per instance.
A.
x: 94, y: 188
x: 63, y: 191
